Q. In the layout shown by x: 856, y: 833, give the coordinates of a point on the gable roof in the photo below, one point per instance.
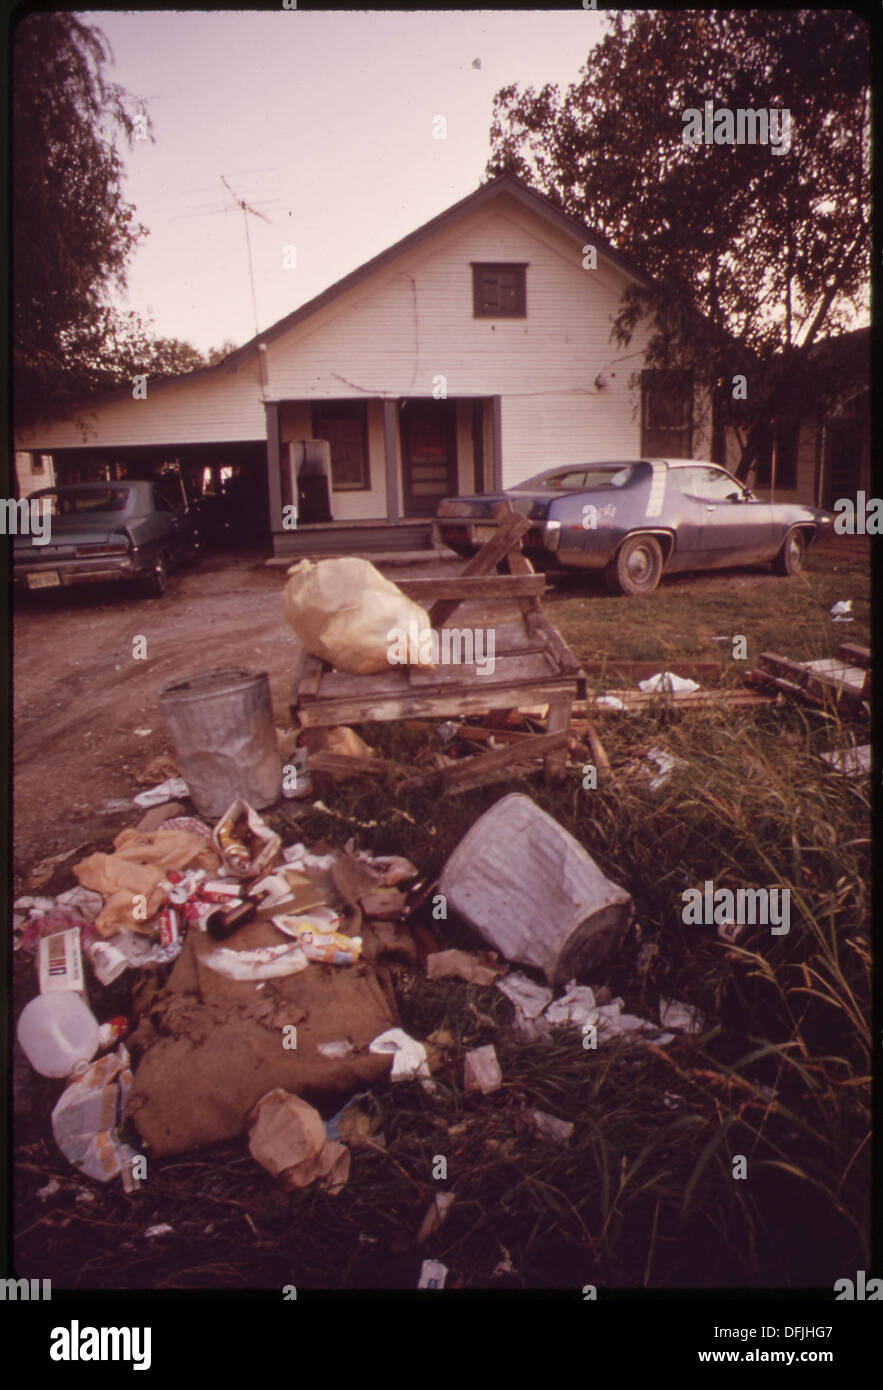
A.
x: 486, y: 193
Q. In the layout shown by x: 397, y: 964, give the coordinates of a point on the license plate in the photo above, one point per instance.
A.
x: 49, y: 579
x: 485, y: 533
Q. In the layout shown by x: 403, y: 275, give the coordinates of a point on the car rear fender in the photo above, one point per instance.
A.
x: 665, y: 538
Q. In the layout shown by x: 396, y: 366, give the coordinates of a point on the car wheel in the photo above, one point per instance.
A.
x: 790, y: 558
x: 156, y: 582
x: 637, y: 566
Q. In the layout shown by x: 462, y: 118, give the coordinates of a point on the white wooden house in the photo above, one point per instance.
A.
x: 471, y: 354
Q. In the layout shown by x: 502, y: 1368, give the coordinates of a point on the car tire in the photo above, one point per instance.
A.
x: 637, y: 566
x: 156, y: 582
x: 790, y: 558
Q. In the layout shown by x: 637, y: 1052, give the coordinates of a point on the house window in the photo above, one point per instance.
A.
x: 666, y: 414
x: 785, y: 434
x: 345, y: 425
x: 499, y: 291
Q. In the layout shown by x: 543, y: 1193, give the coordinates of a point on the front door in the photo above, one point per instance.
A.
x: 429, y: 454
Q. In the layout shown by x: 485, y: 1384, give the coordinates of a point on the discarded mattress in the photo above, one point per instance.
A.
x: 211, y: 1047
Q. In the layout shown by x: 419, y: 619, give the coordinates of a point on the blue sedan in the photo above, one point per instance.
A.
x: 636, y: 519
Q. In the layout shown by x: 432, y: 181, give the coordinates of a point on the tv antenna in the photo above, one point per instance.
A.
x: 248, y: 211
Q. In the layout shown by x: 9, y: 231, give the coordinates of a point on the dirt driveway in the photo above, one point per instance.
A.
x: 86, y: 711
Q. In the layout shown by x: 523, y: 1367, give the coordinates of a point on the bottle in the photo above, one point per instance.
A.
x: 56, y: 1031
x: 226, y: 921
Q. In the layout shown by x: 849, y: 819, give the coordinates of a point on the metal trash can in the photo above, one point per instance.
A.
x: 222, y: 728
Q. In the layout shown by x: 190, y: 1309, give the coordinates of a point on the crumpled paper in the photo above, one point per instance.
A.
x: 409, y: 1056
x: 287, y: 1137
x: 527, y: 996
x: 684, y: 1017
x: 263, y: 963
x: 667, y: 680
x: 481, y: 1070
x: 86, y: 1117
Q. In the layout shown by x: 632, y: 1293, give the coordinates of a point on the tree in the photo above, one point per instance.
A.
x: 72, y: 231
x: 754, y: 255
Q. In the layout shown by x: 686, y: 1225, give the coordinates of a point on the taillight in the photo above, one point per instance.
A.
x: 89, y: 552
x: 553, y: 535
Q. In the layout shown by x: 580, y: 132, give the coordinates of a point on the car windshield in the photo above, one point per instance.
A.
x: 587, y: 478
x: 76, y: 503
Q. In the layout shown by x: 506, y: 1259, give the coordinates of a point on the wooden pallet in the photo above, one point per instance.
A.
x: 842, y: 681
x: 532, y: 666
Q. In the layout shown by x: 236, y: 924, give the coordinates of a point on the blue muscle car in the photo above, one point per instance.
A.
x: 636, y: 519
x: 130, y: 530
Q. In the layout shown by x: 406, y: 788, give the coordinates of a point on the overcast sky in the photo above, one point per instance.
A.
x: 325, y: 123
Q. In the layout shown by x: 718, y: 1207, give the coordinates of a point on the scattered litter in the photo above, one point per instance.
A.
x: 534, y: 893
x: 409, y: 1056
x: 481, y: 1070
x: 163, y: 1229
x: 60, y: 962
x: 107, y: 961
x: 49, y: 1190
x: 505, y: 1265
x: 245, y: 842
x: 115, y: 805
x: 447, y: 730
x: 47, y: 924
x: 667, y: 680
x: 463, y: 965
x: 86, y: 1116
x: 438, y: 1210
x: 672, y: 1101
x: 577, y: 1006
x: 550, y: 1127
x: 169, y: 790
x: 83, y: 901
x: 432, y: 1275
x: 264, y: 963
x: 287, y: 1137
x: 527, y: 996
x: 665, y: 764
x: 609, y: 702
x: 683, y: 1017
x: 142, y: 733
x: 85, y: 1197
x: 853, y: 762
x: 42, y: 872
x: 841, y: 612
x: 335, y: 1049
x: 354, y: 1125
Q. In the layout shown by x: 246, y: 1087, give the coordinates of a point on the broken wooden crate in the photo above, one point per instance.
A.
x: 842, y: 681
x: 532, y: 665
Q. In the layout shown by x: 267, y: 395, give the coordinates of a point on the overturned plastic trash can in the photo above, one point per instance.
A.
x: 221, y: 722
x: 534, y: 893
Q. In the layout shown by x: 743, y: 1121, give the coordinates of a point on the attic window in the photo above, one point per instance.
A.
x: 499, y: 291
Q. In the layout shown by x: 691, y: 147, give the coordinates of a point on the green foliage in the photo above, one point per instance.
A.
x: 772, y: 250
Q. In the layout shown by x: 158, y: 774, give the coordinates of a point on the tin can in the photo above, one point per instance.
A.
x: 226, y: 920
x: 219, y: 890
x: 169, y: 923
x: 196, y: 913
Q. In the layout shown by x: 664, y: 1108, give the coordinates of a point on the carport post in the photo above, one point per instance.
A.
x: 274, y: 473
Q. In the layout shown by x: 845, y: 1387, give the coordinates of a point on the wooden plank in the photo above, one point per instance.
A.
x: 512, y: 525
x: 855, y: 654
x: 477, y: 771
x: 518, y: 666
x: 456, y: 702
x: 341, y: 765
x: 488, y: 587
x: 644, y: 699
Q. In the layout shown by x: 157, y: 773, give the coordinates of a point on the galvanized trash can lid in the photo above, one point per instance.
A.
x: 221, y: 680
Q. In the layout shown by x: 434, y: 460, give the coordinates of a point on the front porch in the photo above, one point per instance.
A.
x: 392, y: 461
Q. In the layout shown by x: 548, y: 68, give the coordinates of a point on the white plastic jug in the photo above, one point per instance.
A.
x: 56, y: 1031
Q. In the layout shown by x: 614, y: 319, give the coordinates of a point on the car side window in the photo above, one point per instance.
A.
x: 570, y: 480
x: 705, y: 484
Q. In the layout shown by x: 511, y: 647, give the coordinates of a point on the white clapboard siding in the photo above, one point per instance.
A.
x: 412, y: 323
x: 219, y: 406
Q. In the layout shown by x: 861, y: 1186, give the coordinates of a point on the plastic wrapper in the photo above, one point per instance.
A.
x: 87, y: 1115
x: 264, y: 963
x: 344, y: 611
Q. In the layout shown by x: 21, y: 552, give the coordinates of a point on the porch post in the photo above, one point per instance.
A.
x: 274, y: 474
x: 390, y: 412
x: 497, y: 437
